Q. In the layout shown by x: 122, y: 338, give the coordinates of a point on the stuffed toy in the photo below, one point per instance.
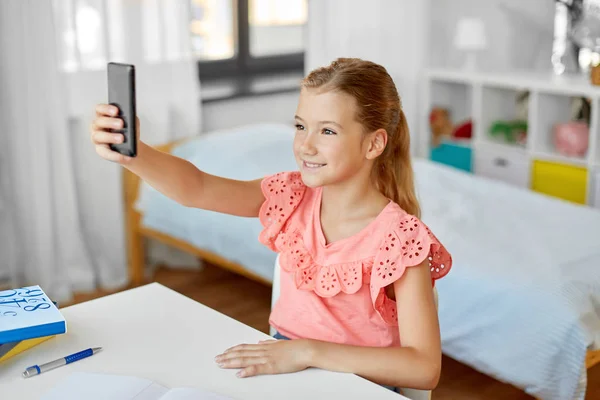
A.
x: 441, y: 126
x: 571, y: 138
x: 512, y: 132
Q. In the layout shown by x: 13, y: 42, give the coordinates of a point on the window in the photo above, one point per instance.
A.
x: 212, y: 29
x: 247, y: 37
x: 276, y: 27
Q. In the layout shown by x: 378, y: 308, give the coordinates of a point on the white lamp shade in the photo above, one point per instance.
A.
x: 470, y: 34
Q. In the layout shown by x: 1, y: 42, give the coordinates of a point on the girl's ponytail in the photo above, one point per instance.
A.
x: 393, y: 169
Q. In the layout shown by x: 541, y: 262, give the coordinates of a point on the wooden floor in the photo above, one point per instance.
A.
x: 249, y: 302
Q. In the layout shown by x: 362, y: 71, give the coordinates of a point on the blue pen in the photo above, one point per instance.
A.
x: 38, y: 369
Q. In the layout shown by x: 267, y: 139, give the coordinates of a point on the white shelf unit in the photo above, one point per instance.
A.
x: 487, y: 97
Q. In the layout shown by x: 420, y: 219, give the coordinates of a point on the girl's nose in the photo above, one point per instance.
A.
x: 308, y: 145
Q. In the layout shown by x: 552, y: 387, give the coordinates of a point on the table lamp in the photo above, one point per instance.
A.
x: 470, y: 37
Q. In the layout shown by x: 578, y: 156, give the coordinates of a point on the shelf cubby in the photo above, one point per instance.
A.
x: 503, y: 115
x: 554, y: 109
x: 455, y: 97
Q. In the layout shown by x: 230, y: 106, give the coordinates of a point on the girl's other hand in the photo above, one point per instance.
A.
x: 102, y: 134
x: 268, y: 357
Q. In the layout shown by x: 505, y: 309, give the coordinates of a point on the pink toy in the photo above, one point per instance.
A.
x: 571, y: 138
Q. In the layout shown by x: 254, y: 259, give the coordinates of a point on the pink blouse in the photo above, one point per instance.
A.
x: 336, y: 292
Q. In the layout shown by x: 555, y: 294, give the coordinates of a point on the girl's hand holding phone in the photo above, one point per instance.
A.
x: 104, y: 131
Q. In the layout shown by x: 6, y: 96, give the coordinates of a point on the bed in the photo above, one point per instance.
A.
x: 522, y: 303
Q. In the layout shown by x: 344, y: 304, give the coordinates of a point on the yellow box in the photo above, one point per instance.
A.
x: 560, y: 180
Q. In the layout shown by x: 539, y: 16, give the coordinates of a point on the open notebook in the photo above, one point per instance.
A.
x: 88, y: 386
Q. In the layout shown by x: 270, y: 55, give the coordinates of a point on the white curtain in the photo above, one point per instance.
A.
x: 392, y: 33
x: 61, y: 208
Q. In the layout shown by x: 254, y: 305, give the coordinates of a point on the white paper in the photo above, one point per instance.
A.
x: 80, y: 385
x: 192, y: 394
x: 88, y: 386
x: 152, y: 392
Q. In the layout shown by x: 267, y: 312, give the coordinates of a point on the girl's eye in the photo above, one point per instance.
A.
x: 299, y: 127
x: 328, y: 132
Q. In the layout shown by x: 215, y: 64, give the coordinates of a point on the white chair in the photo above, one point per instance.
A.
x: 414, y: 394
x: 275, y: 290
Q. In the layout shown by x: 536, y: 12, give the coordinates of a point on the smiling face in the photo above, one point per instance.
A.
x: 330, y: 145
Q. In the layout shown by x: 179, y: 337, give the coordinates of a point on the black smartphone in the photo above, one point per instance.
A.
x: 121, y: 93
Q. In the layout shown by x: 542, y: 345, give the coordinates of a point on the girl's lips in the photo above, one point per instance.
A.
x: 312, y: 165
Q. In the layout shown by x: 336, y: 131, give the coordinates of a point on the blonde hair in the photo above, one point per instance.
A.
x: 379, y: 106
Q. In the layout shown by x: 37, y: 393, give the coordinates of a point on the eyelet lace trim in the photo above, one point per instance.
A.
x: 408, y: 243
x: 283, y: 193
x: 325, y: 280
x: 406, y: 246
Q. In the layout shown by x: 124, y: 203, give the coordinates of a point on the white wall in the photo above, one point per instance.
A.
x: 519, y: 32
x: 226, y: 114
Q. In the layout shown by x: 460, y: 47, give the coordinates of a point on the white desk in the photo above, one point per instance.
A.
x: 155, y: 333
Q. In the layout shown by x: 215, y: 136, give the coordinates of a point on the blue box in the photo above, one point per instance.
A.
x: 457, y: 155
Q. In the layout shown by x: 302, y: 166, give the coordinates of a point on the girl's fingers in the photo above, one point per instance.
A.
x: 101, y: 137
x: 102, y: 132
x: 105, y: 152
x: 256, y: 369
x: 106, y: 109
x: 108, y: 123
x: 241, y: 347
x: 240, y: 353
x: 268, y: 341
x: 242, y: 362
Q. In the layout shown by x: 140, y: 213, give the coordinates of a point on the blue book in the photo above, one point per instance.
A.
x: 27, y: 313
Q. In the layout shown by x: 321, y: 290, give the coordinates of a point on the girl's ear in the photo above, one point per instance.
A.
x: 376, y: 143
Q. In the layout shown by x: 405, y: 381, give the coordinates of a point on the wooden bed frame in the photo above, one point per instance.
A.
x: 136, y: 234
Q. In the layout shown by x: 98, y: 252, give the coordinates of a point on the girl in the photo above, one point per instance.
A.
x: 357, y: 264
